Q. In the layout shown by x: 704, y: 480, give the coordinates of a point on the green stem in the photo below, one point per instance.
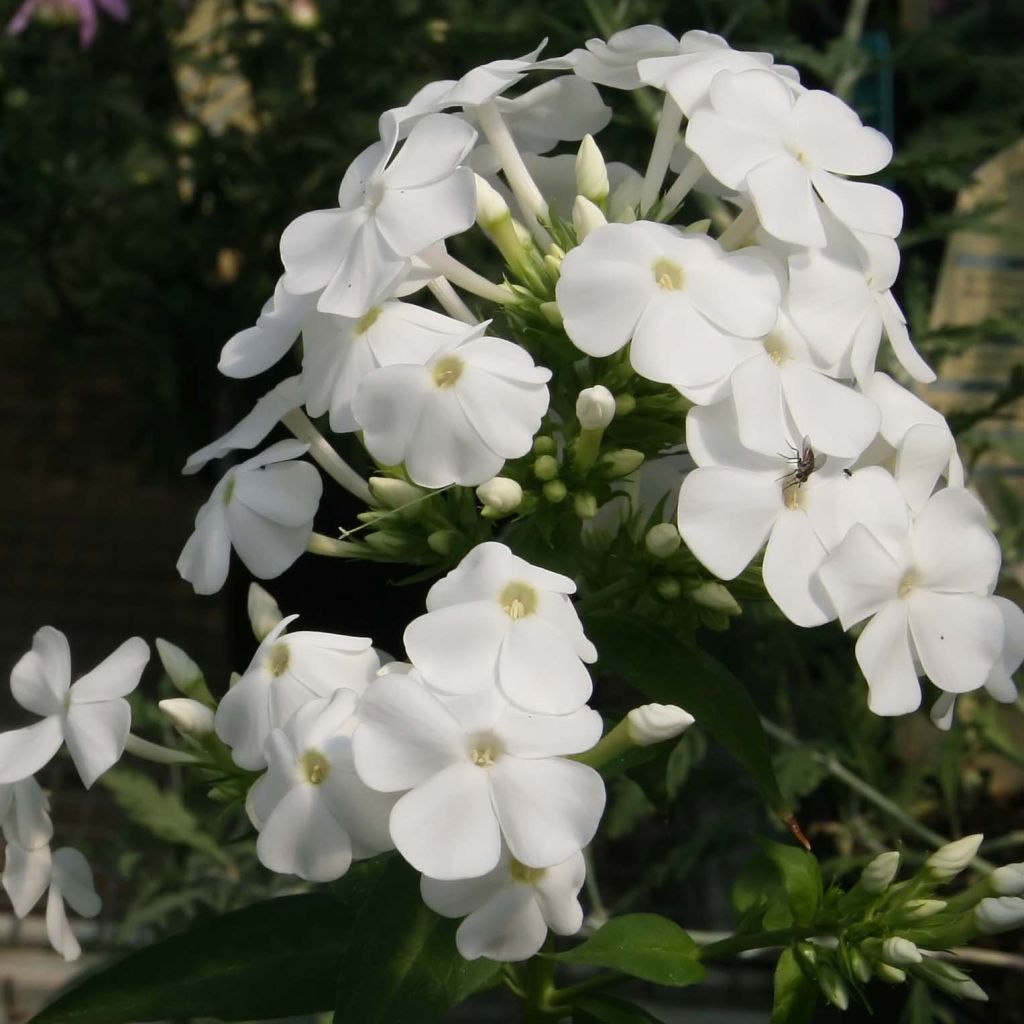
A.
x: 757, y: 940
x: 156, y: 753
x: 572, y: 993
x: 853, y: 30
x: 598, y: 597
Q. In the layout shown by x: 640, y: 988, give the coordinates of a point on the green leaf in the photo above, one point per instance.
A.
x: 401, y: 965
x: 645, y: 946
x: 274, y: 959
x: 664, y: 668
x: 778, y: 887
x: 160, y: 812
x: 796, y: 995
x: 609, y: 1010
x: 801, y: 878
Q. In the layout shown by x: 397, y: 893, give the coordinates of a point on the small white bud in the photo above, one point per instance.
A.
x: 879, y: 874
x: 1007, y: 880
x: 586, y: 217
x: 999, y: 914
x: 662, y: 540
x: 917, y: 910
x: 591, y: 172
x: 501, y: 494
x: 393, y: 493
x: 890, y: 974
x: 860, y: 966
x: 264, y: 613
x: 188, y: 716
x: 951, y: 979
x: 715, y: 596
x: 595, y: 407
x: 184, y: 673
x: 523, y: 236
x: 491, y: 208
x: 948, y: 861
x: 833, y: 987
x: 898, y: 952
x: 653, y: 723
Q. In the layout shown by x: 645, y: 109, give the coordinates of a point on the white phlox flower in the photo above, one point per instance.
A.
x: 264, y: 508
x: 690, y: 311
x: 338, y: 352
x: 999, y: 684
x: 840, y: 298
x: 781, y: 391
x: 556, y: 178
x: 509, y: 910
x: 738, y: 499
x: 927, y: 595
x: 458, y: 415
x: 313, y: 814
x: 91, y: 715
x: 473, y: 770
x: 27, y: 875
x: 496, y: 619
x: 25, y: 814
x: 391, y: 206
x: 288, y: 671
x: 614, y: 63
x: 757, y: 135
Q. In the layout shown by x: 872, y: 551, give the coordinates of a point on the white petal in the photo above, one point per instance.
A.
x: 206, y: 557
x: 257, y: 348
x: 1000, y: 682
x: 458, y: 897
x: 832, y: 136
x: 365, y: 276
x: 365, y: 166
x: 791, y: 562
x: 738, y: 292
x: 729, y: 154
x: 116, y: 676
x: 24, y: 751
x: 446, y: 447
x: 58, y: 927
x: 389, y: 406
x: 538, y: 669
x: 954, y: 550
x: 243, y: 719
x: 364, y: 812
x: 505, y: 414
x: 41, y: 677
x: 860, y: 576
x: 287, y: 493
x: 557, y: 892
x: 456, y: 647
x: 922, y: 458
x: 712, y: 439
x: 781, y: 192
x: 757, y: 394
x: 405, y: 736
x: 523, y: 734
x: 313, y: 246
x: 435, y: 147
x: 899, y: 337
x: 840, y: 421
x: 26, y: 876
x: 412, y: 220
x: 28, y: 822
x: 958, y: 637
x: 548, y: 808
x: 883, y: 653
x: 446, y: 826
x: 725, y: 515
x: 265, y: 547
x: 508, y: 927
x: 95, y: 735
x: 301, y: 837
x: 73, y: 877
x: 860, y: 205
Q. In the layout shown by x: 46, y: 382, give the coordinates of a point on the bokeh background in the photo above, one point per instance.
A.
x: 144, y: 182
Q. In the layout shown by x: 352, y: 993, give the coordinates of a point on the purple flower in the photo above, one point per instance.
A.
x: 85, y: 12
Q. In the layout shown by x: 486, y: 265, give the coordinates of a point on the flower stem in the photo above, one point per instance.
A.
x: 756, y: 940
x: 156, y: 753
x: 688, y: 177
x: 451, y: 302
x: 325, y: 456
x: 321, y: 545
x: 572, y: 993
x: 739, y: 229
x: 661, y: 153
x: 469, y: 280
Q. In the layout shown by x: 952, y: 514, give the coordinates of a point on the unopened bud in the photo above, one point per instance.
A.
x: 891, y: 975
x: 625, y: 403
x: 668, y: 589
x: 622, y: 462
x: 390, y: 544
x: 662, y: 540
x: 591, y: 171
x: 500, y: 495
x: 899, y: 952
x: 264, y: 613
x: 918, y: 910
x: 393, y: 493
x: 555, y: 491
x: 595, y: 407
x: 543, y: 444
x: 948, y: 861
x: 879, y: 874
x: 833, y: 987
x: 586, y: 217
x: 655, y: 723
x: 185, y: 675
x: 997, y: 914
x: 491, y: 208
x: 551, y: 313
x: 443, y: 542
x: 585, y: 505
x: 553, y: 264
x: 716, y: 597
x: 950, y: 979
x: 860, y: 966
x: 188, y: 716
x: 807, y: 953
x: 545, y: 467
x: 1007, y: 880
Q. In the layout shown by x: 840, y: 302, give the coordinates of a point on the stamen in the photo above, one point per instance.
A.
x: 518, y: 600
x: 668, y: 275
x: 314, y: 766
x: 447, y: 371
x: 277, y: 658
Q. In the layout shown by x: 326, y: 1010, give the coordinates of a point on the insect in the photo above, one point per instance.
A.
x: 805, y: 460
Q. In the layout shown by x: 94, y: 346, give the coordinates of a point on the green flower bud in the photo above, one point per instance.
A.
x: 999, y: 914
x: 591, y: 171
x: 188, y: 716
x: 555, y: 491
x: 918, y: 910
x: 950, y: 979
x: 392, y: 493
x: 899, y: 952
x: 859, y: 966
x: 716, y: 597
x: 185, y: 675
x: 948, y: 861
x: 585, y: 505
x: 889, y: 974
x: 264, y: 613
x: 390, y: 544
x: 586, y: 217
x: 833, y: 987
x: 499, y: 496
x: 443, y: 542
x: 545, y: 467
x: 544, y: 445
x: 551, y: 313
x: 662, y: 540
x: 491, y: 208
x: 624, y: 404
x: 879, y: 874
x: 1007, y: 880
x: 622, y: 462
x: 668, y: 588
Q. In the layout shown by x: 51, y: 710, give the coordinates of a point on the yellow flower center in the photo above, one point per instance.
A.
x: 907, y: 584
x: 447, y: 371
x: 367, y: 320
x: 314, y: 766
x: 668, y: 275
x: 524, y: 874
x: 484, y: 753
x: 277, y: 658
x: 518, y: 600
x: 775, y: 346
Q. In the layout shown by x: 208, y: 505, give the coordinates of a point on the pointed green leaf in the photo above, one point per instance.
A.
x: 801, y: 878
x: 645, y: 946
x: 666, y: 669
x: 609, y: 1010
x: 796, y: 995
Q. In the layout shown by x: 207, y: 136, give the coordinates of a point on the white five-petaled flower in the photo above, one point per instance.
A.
x: 91, y: 715
x: 508, y: 911
x: 25, y: 814
x: 264, y: 508
x: 391, y: 206
x: 456, y: 416
x: 475, y: 769
x: 313, y: 813
x: 927, y: 597
x: 757, y: 136
x: 691, y: 310
x: 288, y: 671
x: 497, y: 619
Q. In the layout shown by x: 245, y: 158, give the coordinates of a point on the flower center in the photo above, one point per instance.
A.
x: 668, y: 275
x: 776, y: 348
x: 524, y: 874
x: 484, y: 751
x: 794, y: 497
x: 374, y: 193
x: 447, y: 371
x: 229, y: 491
x: 518, y: 600
x: 277, y: 658
x: 367, y: 320
x: 907, y: 584
x: 314, y: 766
